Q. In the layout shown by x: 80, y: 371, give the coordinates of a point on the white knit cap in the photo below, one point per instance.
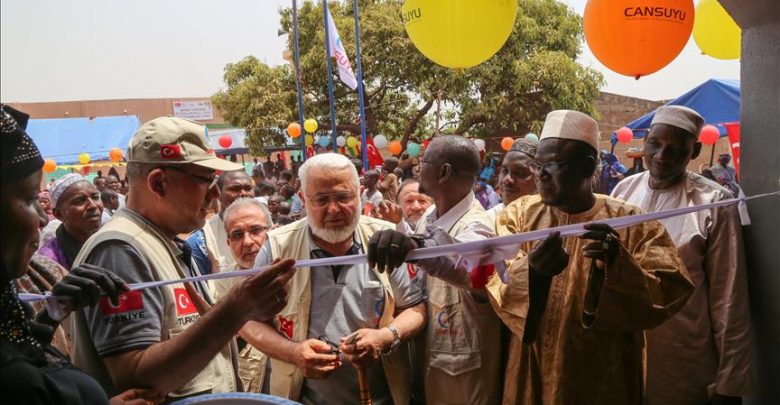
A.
x: 62, y: 184
x: 569, y: 124
x: 680, y: 117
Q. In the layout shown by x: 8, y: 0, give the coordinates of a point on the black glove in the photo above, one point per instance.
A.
x: 81, y: 288
x: 387, y: 249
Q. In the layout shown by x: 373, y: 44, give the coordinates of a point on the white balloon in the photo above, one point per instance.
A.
x: 480, y: 144
x: 380, y: 141
x: 341, y: 141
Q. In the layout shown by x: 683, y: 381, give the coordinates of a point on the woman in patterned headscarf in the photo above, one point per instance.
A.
x: 31, y: 370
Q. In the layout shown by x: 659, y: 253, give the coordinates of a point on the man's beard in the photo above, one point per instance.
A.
x: 336, y: 235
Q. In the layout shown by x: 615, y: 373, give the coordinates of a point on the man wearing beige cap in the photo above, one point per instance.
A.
x: 578, y: 306
x: 703, y: 352
x: 167, y: 338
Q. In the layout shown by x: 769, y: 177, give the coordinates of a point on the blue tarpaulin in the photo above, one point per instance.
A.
x: 717, y: 100
x: 63, y: 139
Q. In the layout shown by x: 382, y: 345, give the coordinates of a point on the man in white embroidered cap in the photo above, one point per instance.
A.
x: 577, y: 307
x: 162, y: 338
x: 703, y: 352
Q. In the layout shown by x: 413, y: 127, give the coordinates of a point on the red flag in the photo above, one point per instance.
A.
x: 129, y: 301
x: 732, y: 129
x: 374, y: 158
x: 184, y: 305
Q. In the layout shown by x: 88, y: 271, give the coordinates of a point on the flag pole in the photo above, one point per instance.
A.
x: 333, y: 132
x: 363, y: 143
x: 298, y: 77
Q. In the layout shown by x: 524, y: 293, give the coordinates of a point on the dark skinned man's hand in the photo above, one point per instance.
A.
x: 548, y: 257
x: 605, y: 246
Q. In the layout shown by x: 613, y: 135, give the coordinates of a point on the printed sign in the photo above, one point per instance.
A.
x: 193, y: 110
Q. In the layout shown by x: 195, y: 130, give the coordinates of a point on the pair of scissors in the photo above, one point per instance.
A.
x: 334, y: 348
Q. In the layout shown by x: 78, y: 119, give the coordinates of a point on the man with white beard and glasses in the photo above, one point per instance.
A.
x: 368, y: 312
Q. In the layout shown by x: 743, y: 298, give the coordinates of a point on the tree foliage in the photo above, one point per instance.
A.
x: 535, y: 72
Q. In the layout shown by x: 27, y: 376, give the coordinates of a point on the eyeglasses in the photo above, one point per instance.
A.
x: 324, y: 200
x: 549, y: 167
x: 552, y: 167
x: 211, y: 181
x: 253, y: 231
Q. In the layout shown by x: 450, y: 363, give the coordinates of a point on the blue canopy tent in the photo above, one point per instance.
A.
x: 717, y: 100
x: 63, y: 139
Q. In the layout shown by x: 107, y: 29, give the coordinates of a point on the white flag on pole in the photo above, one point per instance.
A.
x: 346, y: 74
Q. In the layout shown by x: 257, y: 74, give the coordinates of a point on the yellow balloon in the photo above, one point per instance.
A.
x: 715, y: 32
x: 84, y: 158
x: 309, y: 140
x: 352, y: 141
x: 459, y: 33
x: 310, y: 125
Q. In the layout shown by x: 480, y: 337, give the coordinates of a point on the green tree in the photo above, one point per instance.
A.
x: 535, y: 72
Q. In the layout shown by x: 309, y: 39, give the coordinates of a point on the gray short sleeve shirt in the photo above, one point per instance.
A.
x: 136, y: 322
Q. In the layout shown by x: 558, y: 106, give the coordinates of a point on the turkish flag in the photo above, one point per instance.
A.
x: 286, y: 326
x: 374, y: 158
x: 170, y: 151
x: 129, y: 301
x: 184, y: 305
x: 732, y: 129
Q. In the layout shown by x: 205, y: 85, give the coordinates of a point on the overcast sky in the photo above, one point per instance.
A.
x: 54, y: 50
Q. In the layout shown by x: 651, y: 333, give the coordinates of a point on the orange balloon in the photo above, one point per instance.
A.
x: 637, y: 38
x: 115, y: 154
x: 395, y: 147
x: 294, y: 129
x: 506, y: 143
x: 49, y: 166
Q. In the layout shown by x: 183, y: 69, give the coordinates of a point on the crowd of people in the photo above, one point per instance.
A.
x: 653, y: 313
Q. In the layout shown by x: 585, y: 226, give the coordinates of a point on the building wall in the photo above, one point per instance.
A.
x: 616, y: 111
x: 145, y: 109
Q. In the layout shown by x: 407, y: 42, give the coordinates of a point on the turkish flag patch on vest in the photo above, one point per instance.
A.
x: 128, y: 301
x: 170, y: 152
x: 286, y: 326
x: 184, y: 305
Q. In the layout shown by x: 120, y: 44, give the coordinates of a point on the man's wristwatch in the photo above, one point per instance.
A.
x: 396, y: 341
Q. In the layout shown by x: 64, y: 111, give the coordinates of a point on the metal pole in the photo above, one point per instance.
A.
x: 298, y: 77
x: 333, y: 132
x: 363, y: 143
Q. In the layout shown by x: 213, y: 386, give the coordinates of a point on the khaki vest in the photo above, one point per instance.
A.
x: 291, y: 241
x: 463, y: 344
x: 217, y: 376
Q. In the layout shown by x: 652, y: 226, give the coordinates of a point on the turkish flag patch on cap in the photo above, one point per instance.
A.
x: 129, y: 301
x: 172, y: 151
x: 184, y: 305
